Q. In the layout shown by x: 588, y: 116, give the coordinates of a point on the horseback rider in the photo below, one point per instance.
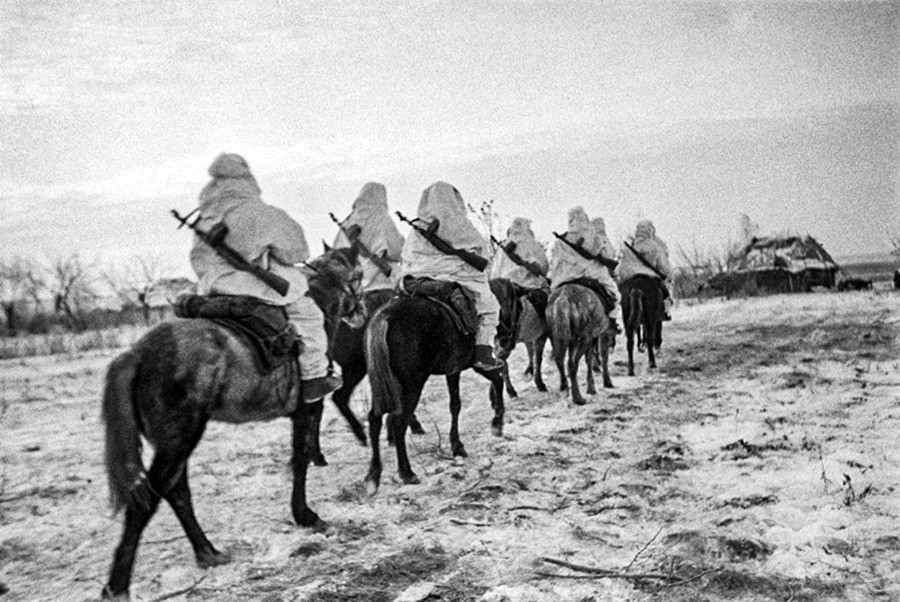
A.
x: 266, y: 236
x: 523, y: 261
x: 443, y: 210
x: 520, y: 241
x: 648, y: 255
x: 371, y: 226
x: 580, y: 256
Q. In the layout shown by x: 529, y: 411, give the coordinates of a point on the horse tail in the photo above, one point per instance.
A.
x: 123, y: 439
x: 635, y: 315
x: 385, y: 386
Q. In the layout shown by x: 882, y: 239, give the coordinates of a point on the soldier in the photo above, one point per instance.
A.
x: 607, y: 251
x: 578, y: 256
x: 443, y: 210
x: 266, y: 236
x: 522, y: 259
x: 647, y: 254
x: 370, y: 224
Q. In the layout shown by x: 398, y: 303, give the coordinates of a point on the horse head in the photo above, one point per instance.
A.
x: 507, y: 326
x: 335, y: 284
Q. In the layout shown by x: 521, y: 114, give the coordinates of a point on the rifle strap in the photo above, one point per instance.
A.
x: 643, y: 260
x: 577, y: 247
x: 516, y: 259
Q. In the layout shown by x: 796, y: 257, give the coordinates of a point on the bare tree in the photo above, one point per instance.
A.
x: 488, y: 216
x: 134, y: 281
x: 749, y: 229
x: 20, y: 281
x: 71, y: 284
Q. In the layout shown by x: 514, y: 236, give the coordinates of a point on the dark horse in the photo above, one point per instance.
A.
x: 576, y: 319
x: 175, y: 379
x: 642, y: 309
x: 347, y: 349
x: 520, y: 322
x: 408, y: 340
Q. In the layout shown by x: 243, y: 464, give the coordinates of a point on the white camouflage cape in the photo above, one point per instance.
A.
x: 378, y: 233
x: 528, y: 248
x: 650, y: 247
x: 261, y: 233
x: 420, y: 258
x: 565, y: 263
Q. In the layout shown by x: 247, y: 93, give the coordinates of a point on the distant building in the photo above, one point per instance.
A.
x: 786, y: 264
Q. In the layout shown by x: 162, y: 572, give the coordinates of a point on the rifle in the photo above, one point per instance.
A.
x: 353, y: 236
x: 215, y: 238
x: 430, y: 233
x: 608, y: 263
x: 509, y: 249
x: 645, y: 262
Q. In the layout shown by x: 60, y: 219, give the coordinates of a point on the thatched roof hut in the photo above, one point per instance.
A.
x: 787, y: 263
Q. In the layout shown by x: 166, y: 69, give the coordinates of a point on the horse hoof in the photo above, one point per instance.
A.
x: 579, y: 401
x: 608, y: 385
x: 107, y: 594
x: 416, y: 429
x: 410, y: 479
x: 371, y: 487
x: 542, y: 388
x: 459, y: 451
x: 307, y: 518
x: 319, y: 460
x: 210, y: 559
x: 513, y: 394
x: 497, y: 431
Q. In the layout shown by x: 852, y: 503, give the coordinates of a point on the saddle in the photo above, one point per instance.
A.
x: 606, y: 299
x: 455, y: 300
x: 264, y: 328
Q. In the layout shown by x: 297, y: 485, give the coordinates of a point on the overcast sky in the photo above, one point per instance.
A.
x: 687, y: 113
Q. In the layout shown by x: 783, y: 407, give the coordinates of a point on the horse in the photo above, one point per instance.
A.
x: 575, y: 318
x: 642, y: 308
x: 407, y: 340
x: 519, y: 323
x: 176, y: 378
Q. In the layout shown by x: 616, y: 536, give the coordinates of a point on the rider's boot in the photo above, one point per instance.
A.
x: 317, y: 388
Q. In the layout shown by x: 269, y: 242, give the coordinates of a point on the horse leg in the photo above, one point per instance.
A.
x: 604, y: 360
x: 301, y: 422
x: 592, y: 364
x: 538, y: 353
x: 496, y: 395
x: 316, y: 409
x: 399, y: 423
x: 179, y: 498
x: 166, y: 470
x: 530, y: 348
x: 456, y: 446
x: 559, y: 356
x: 575, y: 354
x: 415, y: 427
x: 373, y: 478
x: 510, y: 390
x: 629, y: 345
x: 352, y: 376
x: 650, y: 333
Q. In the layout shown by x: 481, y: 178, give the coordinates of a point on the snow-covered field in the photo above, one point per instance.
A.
x: 760, y: 462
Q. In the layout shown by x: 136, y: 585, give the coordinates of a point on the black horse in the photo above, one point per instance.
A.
x: 408, y: 340
x: 520, y: 323
x: 643, y: 309
x: 175, y: 379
